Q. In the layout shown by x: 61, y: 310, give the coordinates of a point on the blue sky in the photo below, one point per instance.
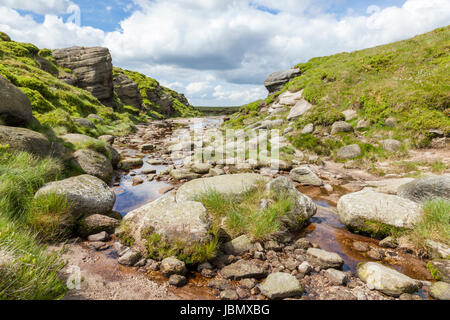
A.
x: 218, y: 52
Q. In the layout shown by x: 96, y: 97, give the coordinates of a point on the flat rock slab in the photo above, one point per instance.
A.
x: 355, y: 209
x: 288, y: 98
x: 181, y: 220
x: 389, y: 186
x: 281, y: 285
x: 324, y: 259
x: 243, y: 269
x: 386, y: 280
x: 230, y: 184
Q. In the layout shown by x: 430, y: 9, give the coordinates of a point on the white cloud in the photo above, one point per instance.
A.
x: 41, y: 6
x: 219, y: 52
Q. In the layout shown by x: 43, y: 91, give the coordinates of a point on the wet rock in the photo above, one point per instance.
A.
x: 375, y: 254
x: 299, y: 109
x: 21, y: 139
x: 341, y: 126
x: 147, y: 147
x: 238, y: 245
x: 185, y: 221
x: 109, y: 139
x: 440, y: 290
x: 303, y: 208
x: 127, y: 164
x: 15, y: 107
x: 281, y: 285
x: 302, y: 243
x: 336, y: 276
x: 388, y: 242
x: 305, y: 176
x: 438, y: 249
x: 385, y: 279
x: 427, y: 188
x: 96, y: 223
x: 129, y: 258
x: 137, y: 180
x: 358, y: 209
x: 440, y: 269
x: 177, y: 280
x: 361, y: 246
x: 349, y: 152
x: 101, y: 236
x: 172, y: 265
x: 230, y: 184
x: 391, y: 145
x: 97, y: 245
x: 243, y: 269
x: 228, y: 295
x: 276, y: 80
x: 93, y: 163
x: 309, y: 128
x: 85, y: 194
x: 324, y: 259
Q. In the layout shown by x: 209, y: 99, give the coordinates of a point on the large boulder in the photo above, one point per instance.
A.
x: 230, y: 184
x: 15, y: 107
x: 93, y: 70
x: 279, y: 285
x: 94, y: 163
x: 276, y: 80
x: 363, y: 209
x: 427, y: 188
x: 127, y: 91
x: 86, y: 194
x: 179, y: 221
x: 21, y: 139
x: 386, y: 280
x: 305, y: 176
x: 303, y: 207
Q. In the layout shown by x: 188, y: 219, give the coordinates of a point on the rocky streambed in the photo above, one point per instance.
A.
x: 318, y: 262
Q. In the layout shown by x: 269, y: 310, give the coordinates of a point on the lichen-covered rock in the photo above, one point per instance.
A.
x: 303, y: 207
x: 438, y: 249
x: 21, y: 139
x: 386, y: 280
x: 96, y: 223
x: 243, y: 269
x: 94, y: 163
x: 426, y: 188
x: 15, y: 107
x: 440, y: 290
x: 349, y: 152
x: 85, y: 123
x: 276, y: 80
x: 86, y: 194
x: 305, y: 176
x: 360, y: 210
x: 440, y: 269
x: 281, y: 285
x: 324, y: 259
x: 93, y: 70
x: 230, y: 184
x: 182, y: 221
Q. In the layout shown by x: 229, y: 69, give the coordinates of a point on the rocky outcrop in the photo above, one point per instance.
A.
x: 276, y: 80
x: 427, y: 188
x: 21, y: 139
x: 93, y: 69
x: 127, y: 91
x: 85, y: 194
x: 279, y: 285
x: 360, y: 210
x: 185, y: 221
x: 15, y: 107
x: 230, y: 184
x: 386, y: 280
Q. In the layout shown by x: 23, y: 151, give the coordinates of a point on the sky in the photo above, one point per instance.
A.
x: 218, y: 52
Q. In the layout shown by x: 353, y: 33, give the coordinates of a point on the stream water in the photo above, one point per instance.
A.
x: 324, y: 229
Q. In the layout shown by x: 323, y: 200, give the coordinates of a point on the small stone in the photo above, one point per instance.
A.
x: 129, y: 258
x: 304, y: 268
x: 147, y: 147
x: 375, y: 254
x: 228, y: 295
x: 324, y: 259
x: 204, y: 265
x: 141, y: 263
x: 281, y: 285
x: 272, y: 245
x: 137, y: 180
x: 388, y: 242
x: 309, y: 128
x: 177, y: 280
x: 247, y: 283
x: 96, y: 245
x: 302, y: 243
x: 101, y: 236
x: 336, y: 276
x: 242, y: 293
x: 361, y: 246
x: 208, y: 273
x: 219, y: 284
x: 440, y: 290
x: 172, y: 265
x: 238, y: 245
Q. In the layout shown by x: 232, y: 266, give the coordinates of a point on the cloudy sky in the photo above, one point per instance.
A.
x: 218, y: 52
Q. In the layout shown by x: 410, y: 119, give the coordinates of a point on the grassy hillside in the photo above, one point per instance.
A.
x: 408, y: 80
